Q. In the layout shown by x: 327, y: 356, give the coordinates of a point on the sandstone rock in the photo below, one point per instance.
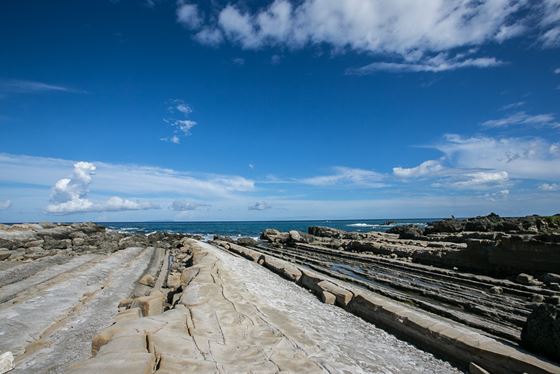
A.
x: 327, y: 297
x: 527, y: 280
x: 6, y: 362
x: 174, y: 280
x: 497, y: 290
x: 4, y: 254
x: 554, y: 286
x: 150, y: 305
x: 295, y: 236
x: 536, y: 298
x: 78, y: 241
x: 541, y: 333
x: 476, y: 369
x: 34, y: 243
x: 147, y: 280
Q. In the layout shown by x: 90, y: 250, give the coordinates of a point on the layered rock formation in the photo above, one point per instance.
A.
x: 487, y: 280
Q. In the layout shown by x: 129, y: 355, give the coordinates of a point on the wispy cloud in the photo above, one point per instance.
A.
x: 522, y: 118
x: 6, y: 204
x: 513, y: 105
x: 436, y: 64
x: 482, y: 179
x: 524, y: 158
x: 182, y: 205
x: 261, y: 205
x: 182, y: 126
x: 33, y: 87
x: 124, y: 179
x: 550, y: 23
x: 347, y: 176
x: 188, y: 15
x: 426, y: 168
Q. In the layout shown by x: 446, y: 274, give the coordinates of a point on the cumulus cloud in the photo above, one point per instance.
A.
x: 261, y: 205
x: 426, y: 168
x: 5, y: 204
x: 70, y: 195
x: 549, y: 187
x: 347, y: 176
x: 417, y: 32
x: 522, y: 118
x: 181, y: 205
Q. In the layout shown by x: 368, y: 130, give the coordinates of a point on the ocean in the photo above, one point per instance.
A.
x: 254, y: 228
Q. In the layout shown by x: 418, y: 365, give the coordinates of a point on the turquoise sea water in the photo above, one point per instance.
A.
x: 254, y: 228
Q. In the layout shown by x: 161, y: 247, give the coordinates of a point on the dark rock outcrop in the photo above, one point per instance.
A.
x: 407, y: 231
x: 541, y: 333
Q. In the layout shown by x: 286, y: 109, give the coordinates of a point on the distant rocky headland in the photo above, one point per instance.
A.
x: 482, y: 294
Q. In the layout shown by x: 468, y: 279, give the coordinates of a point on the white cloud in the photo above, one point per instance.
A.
x: 550, y: 23
x: 5, y: 204
x: 347, y: 176
x: 415, y: 31
x: 522, y: 118
x: 261, y: 205
x: 181, y: 205
x: 499, y: 195
x: 70, y: 195
x: 30, y: 87
x: 239, y: 61
x: 128, y: 179
x: 513, y: 105
x: 436, y: 64
x: 209, y: 36
x: 182, y: 126
x: 523, y: 158
x: 188, y: 15
x: 482, y: 179
x: 557, y: 71
x: 398, y: 26
x: 426, y: 168
x: 549, y: 187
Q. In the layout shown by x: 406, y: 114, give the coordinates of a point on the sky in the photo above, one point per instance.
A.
x: 149, y: 110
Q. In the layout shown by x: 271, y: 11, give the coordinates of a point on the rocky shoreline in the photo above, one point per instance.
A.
x: 63, y: 286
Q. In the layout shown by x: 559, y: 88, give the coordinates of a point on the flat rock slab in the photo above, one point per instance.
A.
x: 234, y: 316
x: 52, y: 315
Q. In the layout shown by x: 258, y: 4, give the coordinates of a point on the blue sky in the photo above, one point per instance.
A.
x: 257, y: 110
